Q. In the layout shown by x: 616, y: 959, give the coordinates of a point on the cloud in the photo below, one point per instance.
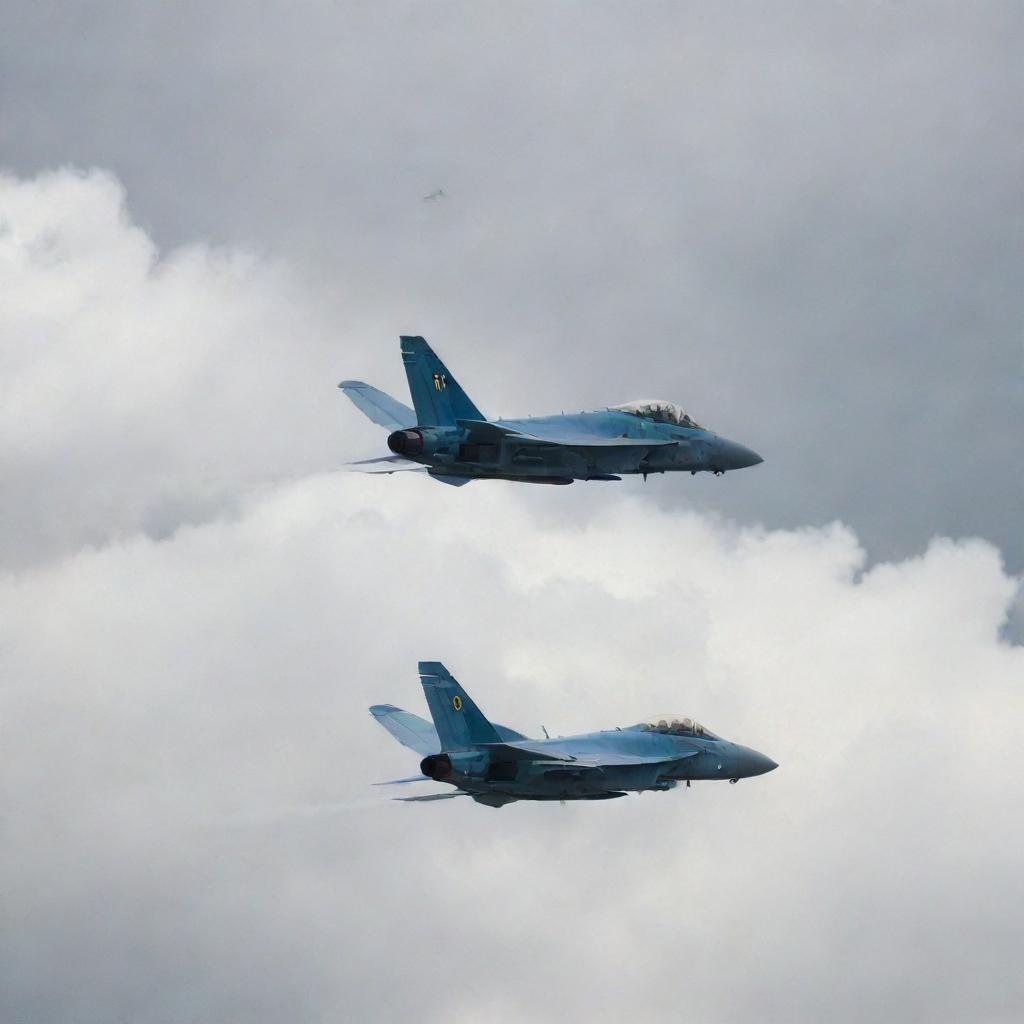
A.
x: 139, y: 388
x: 157, y: 688
x: 189, y: 830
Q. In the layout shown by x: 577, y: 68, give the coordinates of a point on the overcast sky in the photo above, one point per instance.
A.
x: 809, y: 231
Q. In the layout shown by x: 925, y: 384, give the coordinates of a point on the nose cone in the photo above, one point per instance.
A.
x: 730, y: 455
x: 753, y: 762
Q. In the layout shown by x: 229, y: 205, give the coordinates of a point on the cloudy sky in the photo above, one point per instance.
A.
x: 809, y: 230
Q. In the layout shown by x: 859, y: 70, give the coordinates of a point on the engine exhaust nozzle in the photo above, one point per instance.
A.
x: 436, y: 766
x: 406, y: 442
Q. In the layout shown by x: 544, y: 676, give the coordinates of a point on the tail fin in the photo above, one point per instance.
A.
x: 459, y: 722
x: 436, y: 394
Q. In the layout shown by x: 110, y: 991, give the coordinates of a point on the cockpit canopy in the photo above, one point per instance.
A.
x: 659, y: 411
x: 676, y: 725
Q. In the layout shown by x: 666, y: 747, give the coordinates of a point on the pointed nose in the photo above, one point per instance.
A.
x: 753, y: 762
x: 735, y: 456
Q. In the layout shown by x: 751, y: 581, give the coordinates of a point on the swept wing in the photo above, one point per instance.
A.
x: 483, y: 432
x: 527, y: 750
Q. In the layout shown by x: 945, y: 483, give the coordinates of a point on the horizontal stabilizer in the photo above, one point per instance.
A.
x: 418, y: 734
x: 410, y: 730
x: 384, y: 465
x: 388, y: 471
x: 384, y: 410
x: 429, y: 796
x: 402, y: 782
x: 395, y: 460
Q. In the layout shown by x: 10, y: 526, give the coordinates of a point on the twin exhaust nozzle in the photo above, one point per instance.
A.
x: 436, y: 766
x: 406, y: 442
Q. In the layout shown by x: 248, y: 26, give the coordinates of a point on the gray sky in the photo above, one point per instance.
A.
x: 808, y: 231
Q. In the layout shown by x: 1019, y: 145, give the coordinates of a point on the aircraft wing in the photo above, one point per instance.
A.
x: 617, y: 759
x: 527, y: 750
x: 483, y: 432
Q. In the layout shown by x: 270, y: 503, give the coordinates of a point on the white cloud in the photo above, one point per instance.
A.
x: 223, y: 674
x: 137, y: 389
x: 168, y: 697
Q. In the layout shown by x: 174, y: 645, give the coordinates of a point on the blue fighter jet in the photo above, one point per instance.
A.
x: 452, y: 439
x: 496, y: 765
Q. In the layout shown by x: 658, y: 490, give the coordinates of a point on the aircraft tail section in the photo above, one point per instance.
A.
x: 410, y: 730
x: 459, y: 722
x: 384, y: 410
x: 436, y: 394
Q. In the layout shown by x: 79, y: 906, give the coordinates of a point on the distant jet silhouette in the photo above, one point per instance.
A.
x: 435, y: 195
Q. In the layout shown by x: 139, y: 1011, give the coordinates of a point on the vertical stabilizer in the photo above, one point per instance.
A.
x: 459, y: 722
x: 436, y: 395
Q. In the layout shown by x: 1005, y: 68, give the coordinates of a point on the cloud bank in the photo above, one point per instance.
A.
x: 189, y: 830
x: 138, y: 389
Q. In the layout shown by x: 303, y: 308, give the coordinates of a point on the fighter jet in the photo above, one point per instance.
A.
x: 452, y: 439
x: 496, y: 765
